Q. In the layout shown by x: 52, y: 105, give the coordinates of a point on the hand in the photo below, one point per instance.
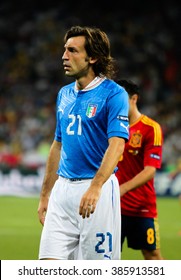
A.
x: 42, y: 209
x: 89, y: 201
x: 123, y: 189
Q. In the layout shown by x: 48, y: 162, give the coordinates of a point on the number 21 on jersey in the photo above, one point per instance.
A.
x: 72, y: 125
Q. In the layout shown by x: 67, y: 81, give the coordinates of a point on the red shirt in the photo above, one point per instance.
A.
x: 144, y: 148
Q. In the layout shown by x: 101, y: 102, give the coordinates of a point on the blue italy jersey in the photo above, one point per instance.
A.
x: 86, y: 119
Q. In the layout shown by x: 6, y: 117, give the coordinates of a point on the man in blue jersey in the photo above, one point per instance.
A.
x: 79, y: 202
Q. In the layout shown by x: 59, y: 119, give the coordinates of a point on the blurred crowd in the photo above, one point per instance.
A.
x: 145, y: 45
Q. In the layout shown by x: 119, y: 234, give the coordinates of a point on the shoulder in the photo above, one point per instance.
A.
x: 65, y: 90
x: 114, y: 89
x: 150, y: 122
x: 153, y: 127
x: 67, y: 87
x: 112, y: 85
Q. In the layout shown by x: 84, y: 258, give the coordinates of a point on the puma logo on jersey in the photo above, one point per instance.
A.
x: 60, y: 109
x: 126, y: 127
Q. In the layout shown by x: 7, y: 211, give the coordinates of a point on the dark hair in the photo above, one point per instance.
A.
x: 129, y: 86
x: 97, y: 45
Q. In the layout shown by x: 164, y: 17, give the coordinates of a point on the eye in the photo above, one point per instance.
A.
x: 72, y: 50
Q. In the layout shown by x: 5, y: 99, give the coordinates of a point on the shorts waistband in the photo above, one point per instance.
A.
x: 76, y: 179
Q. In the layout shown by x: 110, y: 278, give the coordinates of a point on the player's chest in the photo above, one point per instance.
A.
x: 84, y: 105
x: 135, y: 145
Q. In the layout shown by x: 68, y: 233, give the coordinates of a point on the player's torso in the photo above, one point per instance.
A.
x: 82, y: 113
x: 82, y: 118
x: 141, y: 201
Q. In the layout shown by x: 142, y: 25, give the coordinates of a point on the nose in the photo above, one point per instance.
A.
x: 64, y: 56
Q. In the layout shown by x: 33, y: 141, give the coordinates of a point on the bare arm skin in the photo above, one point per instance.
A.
x: 109, y: 162
x: 49, y: 179
x: 140, y: 179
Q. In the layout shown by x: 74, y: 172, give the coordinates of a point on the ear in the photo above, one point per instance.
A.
x: 134, y: 97
x: 92, y: 60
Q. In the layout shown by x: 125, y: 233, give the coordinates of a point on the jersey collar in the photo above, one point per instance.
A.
x: 95, y: 83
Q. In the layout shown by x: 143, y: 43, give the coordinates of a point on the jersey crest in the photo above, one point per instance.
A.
x: 91, y: 110
x: 136, y: 139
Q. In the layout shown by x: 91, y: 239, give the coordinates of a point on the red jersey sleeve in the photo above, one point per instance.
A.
x: 153, y: 140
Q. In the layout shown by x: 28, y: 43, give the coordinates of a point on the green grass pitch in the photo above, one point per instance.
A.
x: 20, y: 229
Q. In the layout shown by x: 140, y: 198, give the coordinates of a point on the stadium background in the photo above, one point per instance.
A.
x: 145, y: 41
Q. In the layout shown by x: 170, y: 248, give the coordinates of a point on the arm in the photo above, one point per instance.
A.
x: 49, y: 179
x: 109, y: 162
x: 140, y: 179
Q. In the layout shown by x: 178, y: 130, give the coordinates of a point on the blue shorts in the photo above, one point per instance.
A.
x: 141, y: 233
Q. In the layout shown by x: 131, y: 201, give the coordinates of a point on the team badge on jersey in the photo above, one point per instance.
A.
x: 91, y: 110
x: 135, y: 140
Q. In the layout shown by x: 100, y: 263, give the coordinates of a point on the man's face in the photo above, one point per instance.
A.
x: 75, y: 60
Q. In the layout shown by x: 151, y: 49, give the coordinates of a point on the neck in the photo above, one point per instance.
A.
x: 134, y: 116
x: 82, y: 82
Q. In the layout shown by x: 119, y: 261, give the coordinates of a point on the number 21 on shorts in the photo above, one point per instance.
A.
x: 104, y: 240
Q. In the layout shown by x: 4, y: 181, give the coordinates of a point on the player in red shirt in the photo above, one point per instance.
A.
x: 136, y: 170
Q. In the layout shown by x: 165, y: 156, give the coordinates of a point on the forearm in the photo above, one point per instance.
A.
x: 110, y: 160
x: 51, y: 168
x: 139, y: 180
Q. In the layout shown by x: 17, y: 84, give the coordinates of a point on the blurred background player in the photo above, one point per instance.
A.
x: 136, y: 171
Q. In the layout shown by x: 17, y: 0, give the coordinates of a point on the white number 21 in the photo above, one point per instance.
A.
x: 70, y: 128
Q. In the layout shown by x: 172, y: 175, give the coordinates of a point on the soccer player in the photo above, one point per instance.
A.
x: 136, y: 170
x: 80, y: 199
